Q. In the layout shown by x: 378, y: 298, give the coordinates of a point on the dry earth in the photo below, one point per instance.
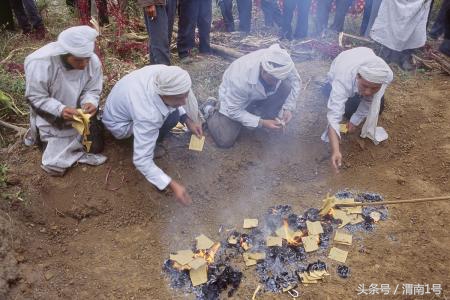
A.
x: 72, y: 238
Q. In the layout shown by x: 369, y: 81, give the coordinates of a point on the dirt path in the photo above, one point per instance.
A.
x: 79, y: 240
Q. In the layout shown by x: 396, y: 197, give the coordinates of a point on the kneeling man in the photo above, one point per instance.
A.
x: 146, y: 104
x: 62, y: 77
x: 356, y: 84
x: 259, y: 89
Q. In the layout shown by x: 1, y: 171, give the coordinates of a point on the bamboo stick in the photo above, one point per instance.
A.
x: 393, y: 202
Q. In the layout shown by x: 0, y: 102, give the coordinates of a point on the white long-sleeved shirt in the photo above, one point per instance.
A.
x: 343, y: 79
x: 133, y: 108
x: 241, y: 86
x: 50, y: 87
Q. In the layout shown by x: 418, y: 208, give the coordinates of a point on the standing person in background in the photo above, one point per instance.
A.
x: 159, y: 16
x: 28, y: 17
x: 272, y: 12
x: 6, y: 16
x: 401, y: 27
x: 301, y: 28
x: 193, y: 13
x: 373, y: 13
x: 244, y: 10
x: 445, y: 46
x: 323, y: 13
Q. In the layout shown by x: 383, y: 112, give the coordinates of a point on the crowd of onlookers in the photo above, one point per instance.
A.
x: 312, y: 18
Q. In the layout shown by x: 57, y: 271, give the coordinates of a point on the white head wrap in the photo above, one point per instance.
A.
x: 274, y: 54
x: 78, y: 41
x: 172, y: 80
x: 377, y: 71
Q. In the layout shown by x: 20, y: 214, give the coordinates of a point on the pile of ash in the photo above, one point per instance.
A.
x: 279, y: 246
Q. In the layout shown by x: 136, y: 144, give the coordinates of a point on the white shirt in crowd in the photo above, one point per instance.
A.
x: 134, y: 108
x: 241, y: 85
x: 401, y: 24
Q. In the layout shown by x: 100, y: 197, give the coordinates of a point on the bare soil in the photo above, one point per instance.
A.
x: 76, y: 238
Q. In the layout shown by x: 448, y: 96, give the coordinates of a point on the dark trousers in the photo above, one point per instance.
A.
x: 322, y: 15
x: 272, y: 12
x: 171, y: 121
x: 6, y: 15
x: 225, y: 131
x: 366, y: 16
x: 439, y: 24
x: 342, y: 7
x: 194, y: 13
x: 301, y: 28
x: 160, y: 32
x: 244, y: 10
x: 352, y: 103
x: 27, y: 14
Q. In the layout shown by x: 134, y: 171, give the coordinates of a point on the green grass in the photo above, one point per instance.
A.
x: 3, y: 171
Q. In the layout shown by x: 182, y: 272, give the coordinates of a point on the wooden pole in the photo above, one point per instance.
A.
x: 443, y: 198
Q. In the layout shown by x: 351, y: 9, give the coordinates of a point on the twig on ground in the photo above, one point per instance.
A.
x: 20, y: 130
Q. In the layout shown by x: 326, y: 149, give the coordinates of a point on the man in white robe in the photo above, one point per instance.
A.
x: 356, y: 84
x: 146, y: 104
x: 259, y: 89
x: 400, y: 27
x: 61, y: 77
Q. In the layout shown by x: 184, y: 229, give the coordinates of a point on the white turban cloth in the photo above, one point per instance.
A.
x: 376, y: 70
x: 277, y: 62
x: 78, y: 41
x: 172, y: 80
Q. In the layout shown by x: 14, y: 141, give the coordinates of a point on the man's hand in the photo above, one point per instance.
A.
x: 336, y: 160
x: 351, y: 127
x: 195, y: 128
x: 68, y: 113
x: 271, y: 124
x: 287, y: 116
x: 89, y: 108
x: 180, y: 192
x: 151, y: 11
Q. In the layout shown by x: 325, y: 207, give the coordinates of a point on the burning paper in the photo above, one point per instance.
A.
x: 343, y: 238
x: 197, y: 263
x: 200, y: 275
x: 203, y: 242
x: 310, y: 243
x: 196, y: 144
x: 352, y: 210
x: 248, y: 261
x: 250, y: 223
x: 273, y: 241
x: 232, y: 240
x: 284, y: 232
x: 328, y: 204
x: 357, y: 219
x: 258, y: 256
x: 338, y: 255
x: 376, y: 216
x: 312, y: 276
x: 182, y: 257
x: 341, y: 215
x: 314, y: 228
